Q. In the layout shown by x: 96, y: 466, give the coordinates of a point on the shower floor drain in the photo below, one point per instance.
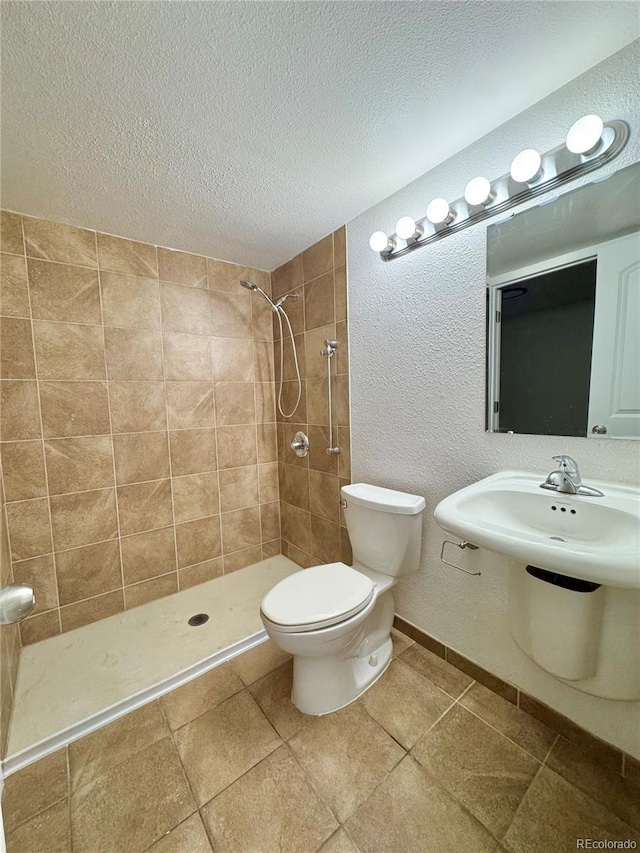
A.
x: 198, y: 619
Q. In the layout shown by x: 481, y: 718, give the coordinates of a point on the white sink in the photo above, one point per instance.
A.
x: 593, y: 538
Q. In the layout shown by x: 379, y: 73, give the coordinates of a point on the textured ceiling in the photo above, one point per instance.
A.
x: 248, y: 130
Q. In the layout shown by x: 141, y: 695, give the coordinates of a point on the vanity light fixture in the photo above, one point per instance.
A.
x: 439, y: 212
x: 531, y: 174
x: 478, y: 192
x: 379, y: 242
x: 526, y: 167
x: 407, y: 229
x: 585, y: 135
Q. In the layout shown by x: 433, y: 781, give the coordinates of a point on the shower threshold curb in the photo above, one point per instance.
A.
x: 50, y: 744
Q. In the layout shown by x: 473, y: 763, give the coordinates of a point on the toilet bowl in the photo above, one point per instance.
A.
x: 336, y: 620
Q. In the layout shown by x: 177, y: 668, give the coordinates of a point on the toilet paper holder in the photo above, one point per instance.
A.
x: 462, y: 545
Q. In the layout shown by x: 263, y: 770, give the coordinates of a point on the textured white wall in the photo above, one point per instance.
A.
x: 417, y: 328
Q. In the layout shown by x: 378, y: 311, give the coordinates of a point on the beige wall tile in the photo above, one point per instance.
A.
x: 270, y: 521
x: 268, y: 481
x: 85, y: 612
x: 315, y: 361
x: 11, y: 233
x: 74, y: 408
x: 144, y: 506
x: 182, y: 268
x: 40, y: 627
x: 241, y: 559
x: 239, y: 488
x: 317, y: 408
x: 290, y: 400
x: 19, y: 413
x: 14, y: 291
x: 340, y: 284
x: 271, y: 549
x: 340, y: 246
x: 263, y: 357
x: 235, y: 403
x: 126, y: 256
x: 187, y: 358
x: 287, y: 277
x: 150, y: 590
x: 62, y: 292
x: 324, y: 495
x: 196, y: 496
x: 88, y: 571
x: 133, y: 354
x: 296, y: 486
x: 240, y: 529
x: 29, y: 528
x: 193, y: 451
x: 226, y: 277
x: 137, y: 406
x: 319, y: 308
x: 190, y: 405
x: 23, y: 470
x: 318, y: 259
x: 130, y: 301
x: 265, y: 402
x: 16, y: 354
x: 200, y: 573
x: 198, y: 541
x: 185, y: 309
x: 83, y: 518
x: 319, y: 459
x: 231, y: 314
x: 267, y: 443
x: 40, y: 574
x: 325, y: 539
x: 68, y: 351
x: 261, y: 320
x: 78, y: 464
x: 296, y: 527
x: 233, y: 359
x: 148, y: 555
x: 54, y: 241
x: 141, y: 456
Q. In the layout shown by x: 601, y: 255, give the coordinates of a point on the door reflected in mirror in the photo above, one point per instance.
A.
x: 563, y: 314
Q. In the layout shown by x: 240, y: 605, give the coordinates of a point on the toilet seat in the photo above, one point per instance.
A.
x: 317, y: 598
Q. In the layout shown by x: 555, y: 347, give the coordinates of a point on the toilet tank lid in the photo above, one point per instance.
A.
x: 384, y: 500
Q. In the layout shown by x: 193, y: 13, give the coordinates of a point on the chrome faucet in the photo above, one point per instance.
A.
x: 566, y: 479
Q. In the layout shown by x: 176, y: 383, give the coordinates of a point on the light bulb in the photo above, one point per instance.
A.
x: 478, y: 191
x: 439, y: 212
x: 584, y: 135
x: 407, y: 229
x: 379, y: 242
x: 526, y: 166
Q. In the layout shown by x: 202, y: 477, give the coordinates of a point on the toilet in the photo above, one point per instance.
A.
x: 336, y: 620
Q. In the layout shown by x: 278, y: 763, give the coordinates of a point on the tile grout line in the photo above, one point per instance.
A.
x: 44, y: 459
x: 166, y: 416
x: 113, y: 452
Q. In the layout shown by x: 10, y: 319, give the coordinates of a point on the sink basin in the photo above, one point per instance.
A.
x: 593, y: 538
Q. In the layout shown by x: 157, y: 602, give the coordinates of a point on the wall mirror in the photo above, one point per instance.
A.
x: 563, y: 314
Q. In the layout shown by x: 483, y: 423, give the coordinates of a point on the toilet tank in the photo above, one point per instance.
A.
x: 385, y: 528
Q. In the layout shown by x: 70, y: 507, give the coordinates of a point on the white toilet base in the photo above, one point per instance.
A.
x: 324, y: 685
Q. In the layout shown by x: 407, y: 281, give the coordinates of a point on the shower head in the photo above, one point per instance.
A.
x: 249, y: 285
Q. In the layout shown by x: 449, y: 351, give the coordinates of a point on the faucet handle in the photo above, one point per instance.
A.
x: 566, y: 463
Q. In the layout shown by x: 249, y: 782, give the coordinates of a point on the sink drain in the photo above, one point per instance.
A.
x: 198, y: 619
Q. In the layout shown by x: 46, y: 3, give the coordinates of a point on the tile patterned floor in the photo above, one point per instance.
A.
x: 427, y: 761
